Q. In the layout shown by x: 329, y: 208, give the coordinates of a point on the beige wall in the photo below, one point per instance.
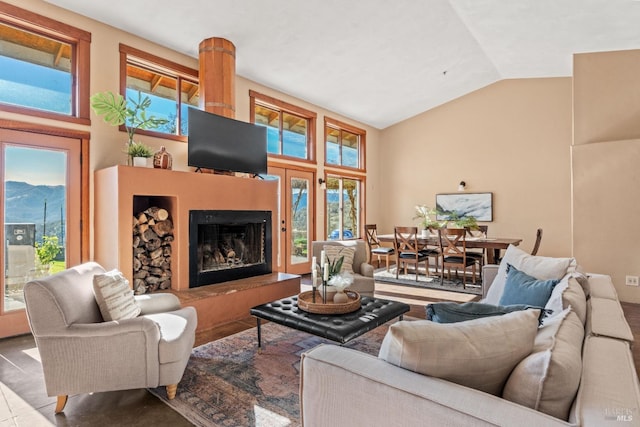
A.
x: 511, y: 138
x: 606, y: 165
x: 107, y: 142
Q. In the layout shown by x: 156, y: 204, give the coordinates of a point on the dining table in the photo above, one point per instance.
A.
x: 492, y: 245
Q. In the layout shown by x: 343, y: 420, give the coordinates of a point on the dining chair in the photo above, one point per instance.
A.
x: 375, y: 247
x: 480, y: 254
x: 453, y: 250
x: 408, y: 250
x: 536, y: 245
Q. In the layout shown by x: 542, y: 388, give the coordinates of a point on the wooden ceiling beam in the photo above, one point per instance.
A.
x: 155, y: 82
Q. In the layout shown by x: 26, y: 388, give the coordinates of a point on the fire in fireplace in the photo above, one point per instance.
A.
x: 228, y: 245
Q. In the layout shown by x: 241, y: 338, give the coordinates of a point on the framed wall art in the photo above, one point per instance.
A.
x: 459, y: 205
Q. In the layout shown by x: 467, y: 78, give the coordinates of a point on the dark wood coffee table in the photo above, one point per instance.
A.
x: 340, y: 328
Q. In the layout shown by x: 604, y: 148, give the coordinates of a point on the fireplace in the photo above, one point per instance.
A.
x: 228, y: 245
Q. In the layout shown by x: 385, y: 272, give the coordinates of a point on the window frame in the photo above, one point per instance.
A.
x: 285, y: 107
x: 143, y: 59
x: 80, y: 42
x: 362, y: 144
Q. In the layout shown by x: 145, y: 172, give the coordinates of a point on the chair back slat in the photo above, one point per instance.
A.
x: 405, y: 239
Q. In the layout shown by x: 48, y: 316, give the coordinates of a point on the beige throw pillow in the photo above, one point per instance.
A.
x: 547, y: 380
x: 542, y: 268
x: 478, y: 353
x: 114, y: 297
x: 334, y: 252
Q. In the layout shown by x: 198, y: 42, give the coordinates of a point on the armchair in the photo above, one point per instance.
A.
x: 363, y: 281
x: 82, y: 353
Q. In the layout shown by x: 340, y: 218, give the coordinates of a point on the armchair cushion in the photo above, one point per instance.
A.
x: 114, y: 296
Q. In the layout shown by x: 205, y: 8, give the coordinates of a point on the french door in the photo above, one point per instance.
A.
x: 295, y: 218
x: 40, y: 210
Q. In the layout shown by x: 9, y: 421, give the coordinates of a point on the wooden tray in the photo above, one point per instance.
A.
x: 305, y: 302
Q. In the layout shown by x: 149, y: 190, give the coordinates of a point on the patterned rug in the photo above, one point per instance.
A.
x: 228, y: 383
x: 431, y: 282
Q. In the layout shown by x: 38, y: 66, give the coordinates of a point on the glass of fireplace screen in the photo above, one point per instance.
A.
x: 227, y: 246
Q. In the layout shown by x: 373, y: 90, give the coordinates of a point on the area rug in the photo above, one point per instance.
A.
x: 431, y: 282
x: 228, y: 383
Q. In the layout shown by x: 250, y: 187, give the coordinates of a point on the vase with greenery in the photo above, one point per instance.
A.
x: 425, y: 214
x: 116, y: 111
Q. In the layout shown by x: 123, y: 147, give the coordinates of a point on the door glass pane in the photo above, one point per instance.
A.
x: 35, y: 204
x: 350, y: 203
x: 299, y: 220
x: 334, y: 216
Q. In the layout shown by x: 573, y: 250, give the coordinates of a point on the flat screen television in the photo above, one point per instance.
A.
x: 217, y: 142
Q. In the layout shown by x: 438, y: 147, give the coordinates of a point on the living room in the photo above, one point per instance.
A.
x: 556, y: 152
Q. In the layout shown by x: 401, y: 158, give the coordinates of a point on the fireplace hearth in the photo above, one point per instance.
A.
x: 228, y: 245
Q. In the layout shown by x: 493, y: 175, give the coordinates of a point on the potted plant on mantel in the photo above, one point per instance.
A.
x: 133, y: 115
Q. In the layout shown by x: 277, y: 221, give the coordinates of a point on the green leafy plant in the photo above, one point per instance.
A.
x: 467, y: 221
x: 47, y: 250
x: 335, y: 266
x: 138, y: 149
x: 117, y: 111
x: 424, y: 213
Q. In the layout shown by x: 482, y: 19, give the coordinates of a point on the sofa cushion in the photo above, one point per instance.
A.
x: 540, y: 267
x: 333, y: 253
x: 452, y: 312
x: 114, y: 296
x: 477, y: 353
x: 607, y: 319
x: 521, y: 288
x: 547, y: 380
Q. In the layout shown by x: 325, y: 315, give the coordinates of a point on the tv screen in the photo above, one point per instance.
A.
x: 217, y: 142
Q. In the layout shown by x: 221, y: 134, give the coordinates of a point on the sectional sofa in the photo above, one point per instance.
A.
x: 579, y: 370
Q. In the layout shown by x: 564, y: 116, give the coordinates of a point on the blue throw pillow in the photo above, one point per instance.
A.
x: 452, y: 312
x: 520, y: 288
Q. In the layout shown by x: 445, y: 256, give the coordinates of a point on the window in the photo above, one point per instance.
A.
x: 290, y: 129
x: 344, y: 145
x: 172, y: 88
x: 44, y: 66
x: 344, y: 207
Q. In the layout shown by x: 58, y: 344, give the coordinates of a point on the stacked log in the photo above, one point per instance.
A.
x: 152, y: 237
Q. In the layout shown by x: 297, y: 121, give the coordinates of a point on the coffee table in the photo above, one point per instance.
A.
x: 340, y: 328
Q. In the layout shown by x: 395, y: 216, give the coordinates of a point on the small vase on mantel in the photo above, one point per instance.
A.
x: 162, y: 159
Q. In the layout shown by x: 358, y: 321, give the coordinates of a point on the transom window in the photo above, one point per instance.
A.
x: 172, y: 89
x: 344, y: 145
x: 44, y: 67
x: 290, y: 129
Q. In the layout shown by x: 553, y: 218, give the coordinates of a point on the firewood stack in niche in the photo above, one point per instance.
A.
x: 152, y: 237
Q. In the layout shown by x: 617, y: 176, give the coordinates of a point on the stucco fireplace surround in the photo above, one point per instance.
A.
x: 120, y: 191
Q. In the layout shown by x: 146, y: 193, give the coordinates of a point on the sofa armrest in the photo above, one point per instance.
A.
x: 157, y: 303
x: 366, y: 269
x: 489, y: 273
x: 334, y: 380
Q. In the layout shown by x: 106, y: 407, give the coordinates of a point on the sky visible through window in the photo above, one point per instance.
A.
x: 34, y: 166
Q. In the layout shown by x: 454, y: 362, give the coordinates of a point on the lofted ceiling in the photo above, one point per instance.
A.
x: 379, y: 61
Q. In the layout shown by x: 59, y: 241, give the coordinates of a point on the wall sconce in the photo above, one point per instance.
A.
x: 462, y: 186
x: 323, y: 183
